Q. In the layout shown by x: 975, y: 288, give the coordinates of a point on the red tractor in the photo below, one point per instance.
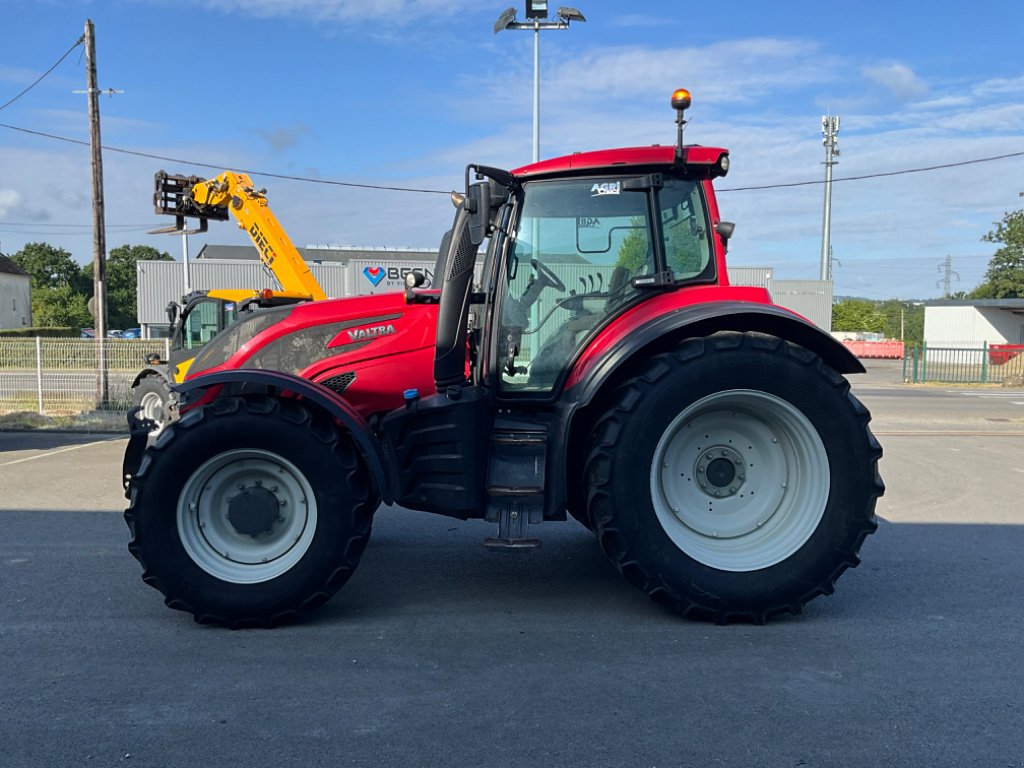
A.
x: 596, y: 363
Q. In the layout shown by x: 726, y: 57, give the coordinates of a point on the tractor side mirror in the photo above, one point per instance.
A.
x: 478, y: 206
x: 725, y: 230
x: 172, y: 312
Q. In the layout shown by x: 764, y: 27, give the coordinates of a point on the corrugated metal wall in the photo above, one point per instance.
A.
x: 757, y: 277
x: 970, y: 327
x: 810, y: 298
x: 160, y: 282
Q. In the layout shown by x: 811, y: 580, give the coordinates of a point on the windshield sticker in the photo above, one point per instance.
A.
x: 606, y: 188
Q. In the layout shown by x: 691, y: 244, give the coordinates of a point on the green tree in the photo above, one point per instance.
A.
x: 857, y: 315
x: 1005, y: 276
x: 59, y: 306
x: 122, y: 282
x: 50, y: 267
x: 904, y: 317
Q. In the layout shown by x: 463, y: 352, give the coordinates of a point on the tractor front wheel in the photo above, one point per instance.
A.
x: 734, y: 477
x: 249, y: 512
x: 153, y: 397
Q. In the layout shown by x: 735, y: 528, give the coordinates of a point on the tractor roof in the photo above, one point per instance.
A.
x: 612, y: 159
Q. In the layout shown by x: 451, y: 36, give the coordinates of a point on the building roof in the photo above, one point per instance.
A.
x: 317, y: 254
x: 1013, y: 305
x: 8, y: 266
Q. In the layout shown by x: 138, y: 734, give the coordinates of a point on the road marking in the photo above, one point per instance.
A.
x: 60, y: 450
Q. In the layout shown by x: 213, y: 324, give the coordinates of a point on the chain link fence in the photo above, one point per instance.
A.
x: 66, y: 376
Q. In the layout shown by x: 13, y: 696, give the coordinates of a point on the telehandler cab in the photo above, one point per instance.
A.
x: 602, y: 368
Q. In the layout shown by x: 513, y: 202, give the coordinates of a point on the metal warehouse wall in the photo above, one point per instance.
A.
x: 966, y: 326
x: 757, y: 277
x: 810, y: 298
x: 160, y: 282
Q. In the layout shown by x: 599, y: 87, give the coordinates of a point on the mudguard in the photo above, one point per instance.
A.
x: 596, y: 366
x: 336, y: 406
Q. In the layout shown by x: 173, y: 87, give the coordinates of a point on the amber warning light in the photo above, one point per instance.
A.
x: 681, y: 99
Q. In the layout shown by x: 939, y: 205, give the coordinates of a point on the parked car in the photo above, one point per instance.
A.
x: 115, y: 334
x: 88, y: 333
x: 131, y: 333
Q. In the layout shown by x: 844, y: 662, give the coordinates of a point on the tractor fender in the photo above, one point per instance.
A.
x: 153, y: 370
x: 319, y: 396
x: 703, y: 320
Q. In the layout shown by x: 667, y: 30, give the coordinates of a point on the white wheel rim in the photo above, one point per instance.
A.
x: 211, y: 528
x: 740, y: 480
x: 152, y: 408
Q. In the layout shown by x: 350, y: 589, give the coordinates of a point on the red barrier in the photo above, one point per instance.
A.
x: 1000, y: 354
x: 876, y: 349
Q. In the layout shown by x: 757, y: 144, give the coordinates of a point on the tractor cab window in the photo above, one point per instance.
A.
x: 579, y: 244
x: 685, y: 230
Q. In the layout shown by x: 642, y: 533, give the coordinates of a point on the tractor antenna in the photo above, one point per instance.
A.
x: 681, y: 101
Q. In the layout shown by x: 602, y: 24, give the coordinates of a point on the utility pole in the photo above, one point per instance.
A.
x: 947, y: 280
x: 830, y: 138
x: 99, y: 237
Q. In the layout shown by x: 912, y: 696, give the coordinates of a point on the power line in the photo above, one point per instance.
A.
x: 40, y: 78
x: 388, y: 188
x: 879, y: 175
x: 221, y: 166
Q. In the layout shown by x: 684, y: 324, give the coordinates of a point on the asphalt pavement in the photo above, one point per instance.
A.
x: 439, y: 652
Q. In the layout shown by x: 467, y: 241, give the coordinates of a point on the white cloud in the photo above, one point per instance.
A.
x: 393, y: 11
x: 9, y: 200
x: 898, y: 79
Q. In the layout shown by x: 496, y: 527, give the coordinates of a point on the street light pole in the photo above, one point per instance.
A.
x: 537, y: 13
x: 536, y: 90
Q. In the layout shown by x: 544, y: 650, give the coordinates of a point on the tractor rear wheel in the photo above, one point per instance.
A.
x: 249, y: 512
x: 733, y: 478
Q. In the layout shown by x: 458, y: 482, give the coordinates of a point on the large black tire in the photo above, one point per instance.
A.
x: 153, y: 396
x: 733, y: 478
x: 249, y: 512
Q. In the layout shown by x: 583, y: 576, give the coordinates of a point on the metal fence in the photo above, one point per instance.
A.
x: 957, y: 365
x: 62, y: 376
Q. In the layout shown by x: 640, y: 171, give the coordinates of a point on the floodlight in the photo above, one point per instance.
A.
x: 536, y: 9
x: 507, y: 17
x: 570, y: 14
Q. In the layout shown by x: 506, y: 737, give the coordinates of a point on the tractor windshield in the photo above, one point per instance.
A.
x: 579, y: 245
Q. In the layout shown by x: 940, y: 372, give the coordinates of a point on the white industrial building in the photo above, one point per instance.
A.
x: 351, y: 271
x: 964, y: 324
x: 15, y: 295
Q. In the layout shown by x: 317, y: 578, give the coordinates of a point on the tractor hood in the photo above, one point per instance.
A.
x: 308, y: 339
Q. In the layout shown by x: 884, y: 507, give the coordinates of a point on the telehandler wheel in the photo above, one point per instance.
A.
x: 733, y: 478
x: 249, y: 512
x: 153, y: 395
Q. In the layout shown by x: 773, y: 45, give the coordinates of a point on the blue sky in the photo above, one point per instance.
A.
x: 406, y: 92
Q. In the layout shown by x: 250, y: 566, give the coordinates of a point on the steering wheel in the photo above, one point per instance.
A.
x: 547, y: 276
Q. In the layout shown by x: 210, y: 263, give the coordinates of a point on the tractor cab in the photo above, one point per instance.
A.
x: 573, y: 246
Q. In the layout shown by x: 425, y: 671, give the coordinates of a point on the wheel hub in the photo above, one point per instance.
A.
x: 719, y: 472
x: 247, y: 515
x: 253, y: 511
